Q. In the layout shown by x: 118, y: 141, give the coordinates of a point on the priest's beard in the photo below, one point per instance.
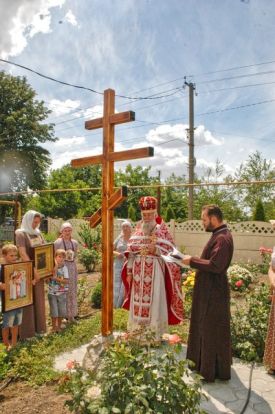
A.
x: 148, y: 227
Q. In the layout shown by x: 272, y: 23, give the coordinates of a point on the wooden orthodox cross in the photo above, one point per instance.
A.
x: 110, y: 198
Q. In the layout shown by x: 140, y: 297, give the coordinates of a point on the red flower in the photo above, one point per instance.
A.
x: 70, y: 364
x: 85, y: 245
x: 158, y: 220
x: 174, y: 339
x: 239, y: 283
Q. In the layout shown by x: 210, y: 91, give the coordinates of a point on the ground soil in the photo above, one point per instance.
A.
x: 21, y: 398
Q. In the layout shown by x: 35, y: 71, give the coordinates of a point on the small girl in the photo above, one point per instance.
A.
x: 57, y: 293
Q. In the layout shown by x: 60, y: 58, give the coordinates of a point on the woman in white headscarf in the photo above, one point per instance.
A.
x: 70, y: 246
x: 27, y: 237
x: 120, y: 246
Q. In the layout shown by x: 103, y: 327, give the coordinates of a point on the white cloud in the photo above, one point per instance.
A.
x: 93, y: 112
x: 65, y: 157
x: 70, y: 142
x: 62, y: 107
x: 22, y: 20
x: 70, y: 18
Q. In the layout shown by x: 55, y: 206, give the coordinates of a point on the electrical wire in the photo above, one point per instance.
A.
x: 208, y: 184
x: 79, y: 86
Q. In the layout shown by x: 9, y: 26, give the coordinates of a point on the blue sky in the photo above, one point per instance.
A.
x: 143, y: 48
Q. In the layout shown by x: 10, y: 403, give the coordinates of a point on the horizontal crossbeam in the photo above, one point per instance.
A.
x: 115, y: 119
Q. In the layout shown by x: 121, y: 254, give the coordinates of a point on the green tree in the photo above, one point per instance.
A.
x: 169, y: 214
x: 257, y: 168
x: 224, y: 197
x: 175, y: 198
x: 134, y: 176
x: 132, y: 213
x: 259, y: 213
x: 23, y: 161
x: 68, y: 204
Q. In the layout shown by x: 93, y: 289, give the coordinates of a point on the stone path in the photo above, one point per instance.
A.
x: 223, y: 396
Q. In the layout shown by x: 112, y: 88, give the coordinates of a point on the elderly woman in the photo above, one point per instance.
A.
x: 120, y: 246
x: 70, y: 246
x: 27, y: 237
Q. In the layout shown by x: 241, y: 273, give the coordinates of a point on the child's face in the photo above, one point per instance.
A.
x: 60, y: 259
x: 10, y: 257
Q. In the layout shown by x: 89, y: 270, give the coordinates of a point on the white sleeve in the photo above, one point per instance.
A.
x: 66, y: 272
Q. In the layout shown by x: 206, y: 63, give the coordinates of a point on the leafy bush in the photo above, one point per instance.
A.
x: 91, y: 238
x: 89, y: 258
x: 264, y: 266
x: 4, y: 363
x: 239, y: 278
x: 50, y: 237
x: 136, y: 380
x: 249, y: 325
x: 97, y: 295
x: 90, y: 254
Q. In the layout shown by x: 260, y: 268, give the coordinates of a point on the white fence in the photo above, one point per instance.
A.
x: 248, y: 236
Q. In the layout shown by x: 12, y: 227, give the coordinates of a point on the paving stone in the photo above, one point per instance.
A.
x: 264, y: 408
x: 269, y: 395
x: 237, y: 406
x: 223, y: 394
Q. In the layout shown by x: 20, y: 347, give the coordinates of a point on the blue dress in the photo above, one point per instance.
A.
x: 120, y: 245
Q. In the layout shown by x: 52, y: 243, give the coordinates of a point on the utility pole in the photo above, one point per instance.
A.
x: 191, y: 161
x: 159, y: 194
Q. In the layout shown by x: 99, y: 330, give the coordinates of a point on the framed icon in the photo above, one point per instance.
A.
x: 18, y: 285
x: 43, y: 260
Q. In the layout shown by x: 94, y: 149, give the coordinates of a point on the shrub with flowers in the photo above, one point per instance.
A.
x: 239, y: 278
x: 136, y: 379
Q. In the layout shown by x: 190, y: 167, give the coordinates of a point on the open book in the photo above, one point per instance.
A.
x: 174, y: 257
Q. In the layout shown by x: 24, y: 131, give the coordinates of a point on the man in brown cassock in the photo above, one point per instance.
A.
x: 209, y: 344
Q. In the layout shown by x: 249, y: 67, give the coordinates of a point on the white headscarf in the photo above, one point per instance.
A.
x: 126, y: 223
x: 65, y: 225
x: 27, y: 221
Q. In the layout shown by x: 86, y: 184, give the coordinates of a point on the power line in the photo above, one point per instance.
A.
x: 236, y: 77
x: 79, y: 86
x: 208, y: 184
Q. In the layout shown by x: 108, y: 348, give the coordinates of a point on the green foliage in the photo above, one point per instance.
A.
x: 91, y: 238
x: 169, y: 214
x: 4, y: 363
x: 135, y: 176
x: 249, y: 325
x: 132, y: 213
x: 135, y: 380
x: 264, y: 266
x: 90, y: 255
x: 32, y: 361
x: 23, y: 161
x: 89, y: 258
x: 68, y: 204
x: 253, y: 169
x: 50, y: 237
x: 259, y: 213
x: 97, y: 295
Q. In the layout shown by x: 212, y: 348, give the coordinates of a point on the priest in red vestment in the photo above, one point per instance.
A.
x: 153, y: 286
